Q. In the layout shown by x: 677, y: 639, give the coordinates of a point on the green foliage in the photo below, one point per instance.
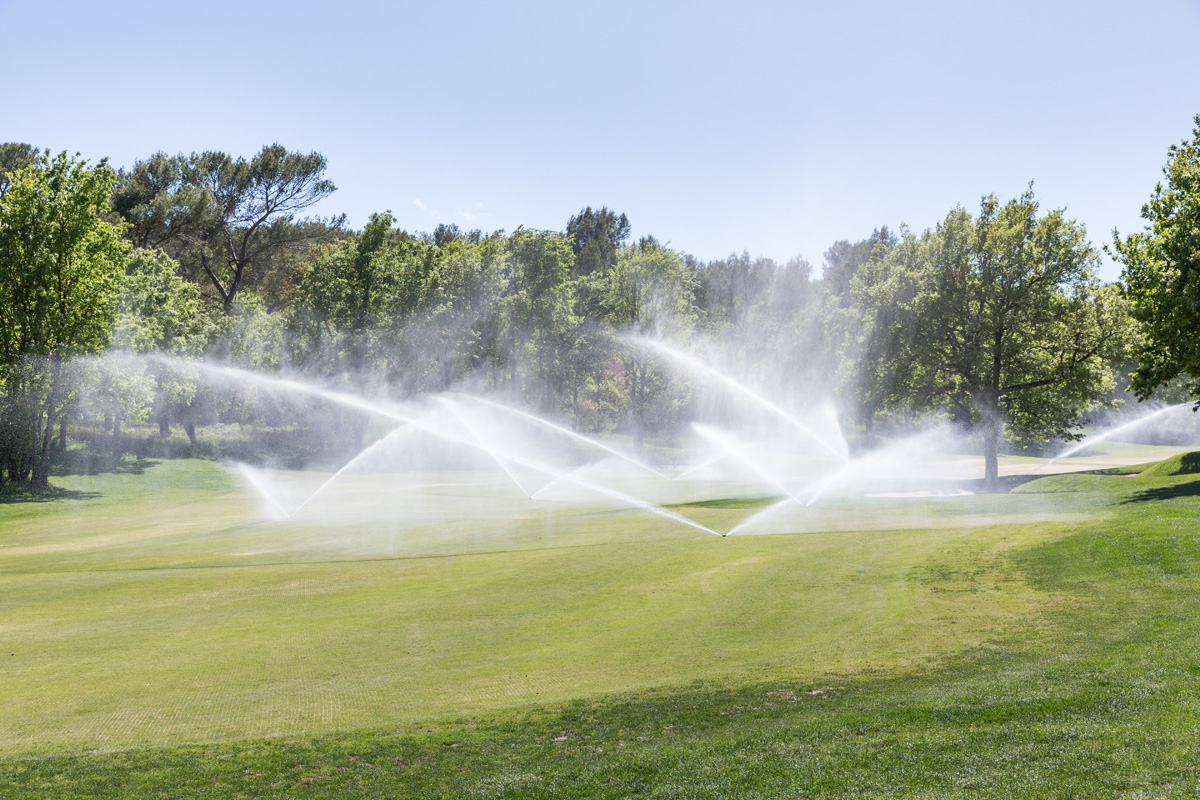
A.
x: 231, y: 222
x: 158, y: 311
x: 419, y: 312
x: 60, y: 269
x: 650, y: 291
x: 255, y: 204
x: 251, y: 336
x: 159, y: 205
x: 540, y: 307
x: 14, y: 157
x: 596, y: 238
x: 1161, y: 275
x: 843, y: 260
x: 60, y: 262
x: 351, y: 285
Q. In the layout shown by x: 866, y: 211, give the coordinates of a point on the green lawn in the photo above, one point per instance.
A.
x: 160, y: 641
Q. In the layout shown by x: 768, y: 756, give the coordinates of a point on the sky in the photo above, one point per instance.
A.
x: 772, y: 128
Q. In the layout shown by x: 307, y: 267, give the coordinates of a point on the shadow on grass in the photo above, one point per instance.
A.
x: 84, y: 462
x: 1004, y: 483
x: 1172, y: 492
x: 22, y: 494
x: 729, y: 502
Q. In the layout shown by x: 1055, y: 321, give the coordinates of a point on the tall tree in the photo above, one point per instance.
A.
x: 159, y: 205
x: 596, y: 237
x: 14, y: 156
x: 998, y: 320
x: 1162, y: 275
x: 253, y: 212
x: 158, y: 312
x: 348, y: 293
x: 60, y: 268
x: 650, y: 292
x: 843, y: 261
x: 541, y: 320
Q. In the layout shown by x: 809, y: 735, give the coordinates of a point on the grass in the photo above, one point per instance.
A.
x: 1034, y: 645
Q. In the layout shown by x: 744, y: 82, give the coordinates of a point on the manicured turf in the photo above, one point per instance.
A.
x: 1038, y: 644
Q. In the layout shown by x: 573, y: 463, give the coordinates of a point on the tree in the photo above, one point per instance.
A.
x: 843, y: 261
x: 1161, y: 275
x: 160, y: 207
x: 255, y: 203
x: 348, y: 292
x: 540, y: 318
x: 651, y: 291
x: 596, y: 237
x: 60, y: 268
x: 14, y: 156
x: 730, y: 289
x: 997, y: 320
x: 157, y: 312
x: 856, y: 349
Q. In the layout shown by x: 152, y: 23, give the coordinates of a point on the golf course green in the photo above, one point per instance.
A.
x: 160, y: 639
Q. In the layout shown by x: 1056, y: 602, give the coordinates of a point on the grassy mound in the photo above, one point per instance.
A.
x: 1178, y: 465
x: 1182, y: 464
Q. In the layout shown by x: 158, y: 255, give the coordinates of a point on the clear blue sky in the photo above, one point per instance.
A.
x: 771, y: 127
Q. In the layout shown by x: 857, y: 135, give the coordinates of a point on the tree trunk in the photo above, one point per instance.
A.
x: 190, y: 429
x: 62, y: 433
x: 991, y: 442
x: 40, y: 472
x: 164, y: 424
x: 116, y: 433
x: 40, y: 478
x: 44, y: 431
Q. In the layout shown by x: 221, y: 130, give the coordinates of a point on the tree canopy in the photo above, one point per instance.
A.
x: 596, y: 236
x: 60, y: 270
x: 1161, y: 275
x: 996, y: 321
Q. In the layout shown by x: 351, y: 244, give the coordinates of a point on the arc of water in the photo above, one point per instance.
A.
x: 374, y: 446
x: 725, y: 443
x: 873, y: 464
x: 301, y: 387
x: 256, y: 482
x: 841, y: 453
x: 557, y: 474
x: 491, y: 451
x: 646, y: 505
x: 579, y: 437
x: 698, y: 467
x: 753, y: 518
x: 386, y: 411
x: 820, y: 487
x: 813, y: 491
x: 1091, y: 440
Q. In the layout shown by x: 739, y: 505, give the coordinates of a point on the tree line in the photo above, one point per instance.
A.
x: 994, y: 319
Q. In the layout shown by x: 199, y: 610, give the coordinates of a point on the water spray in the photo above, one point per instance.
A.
x: 579, y: 437
x: 841, y: 453
x: 1091, y: 440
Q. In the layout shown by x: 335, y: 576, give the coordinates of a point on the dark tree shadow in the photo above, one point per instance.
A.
x: 23, y: 494
x: 84, y: 462
x: 1189, y: 464
x: 1004, y: 484
x: 1172, y: 492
